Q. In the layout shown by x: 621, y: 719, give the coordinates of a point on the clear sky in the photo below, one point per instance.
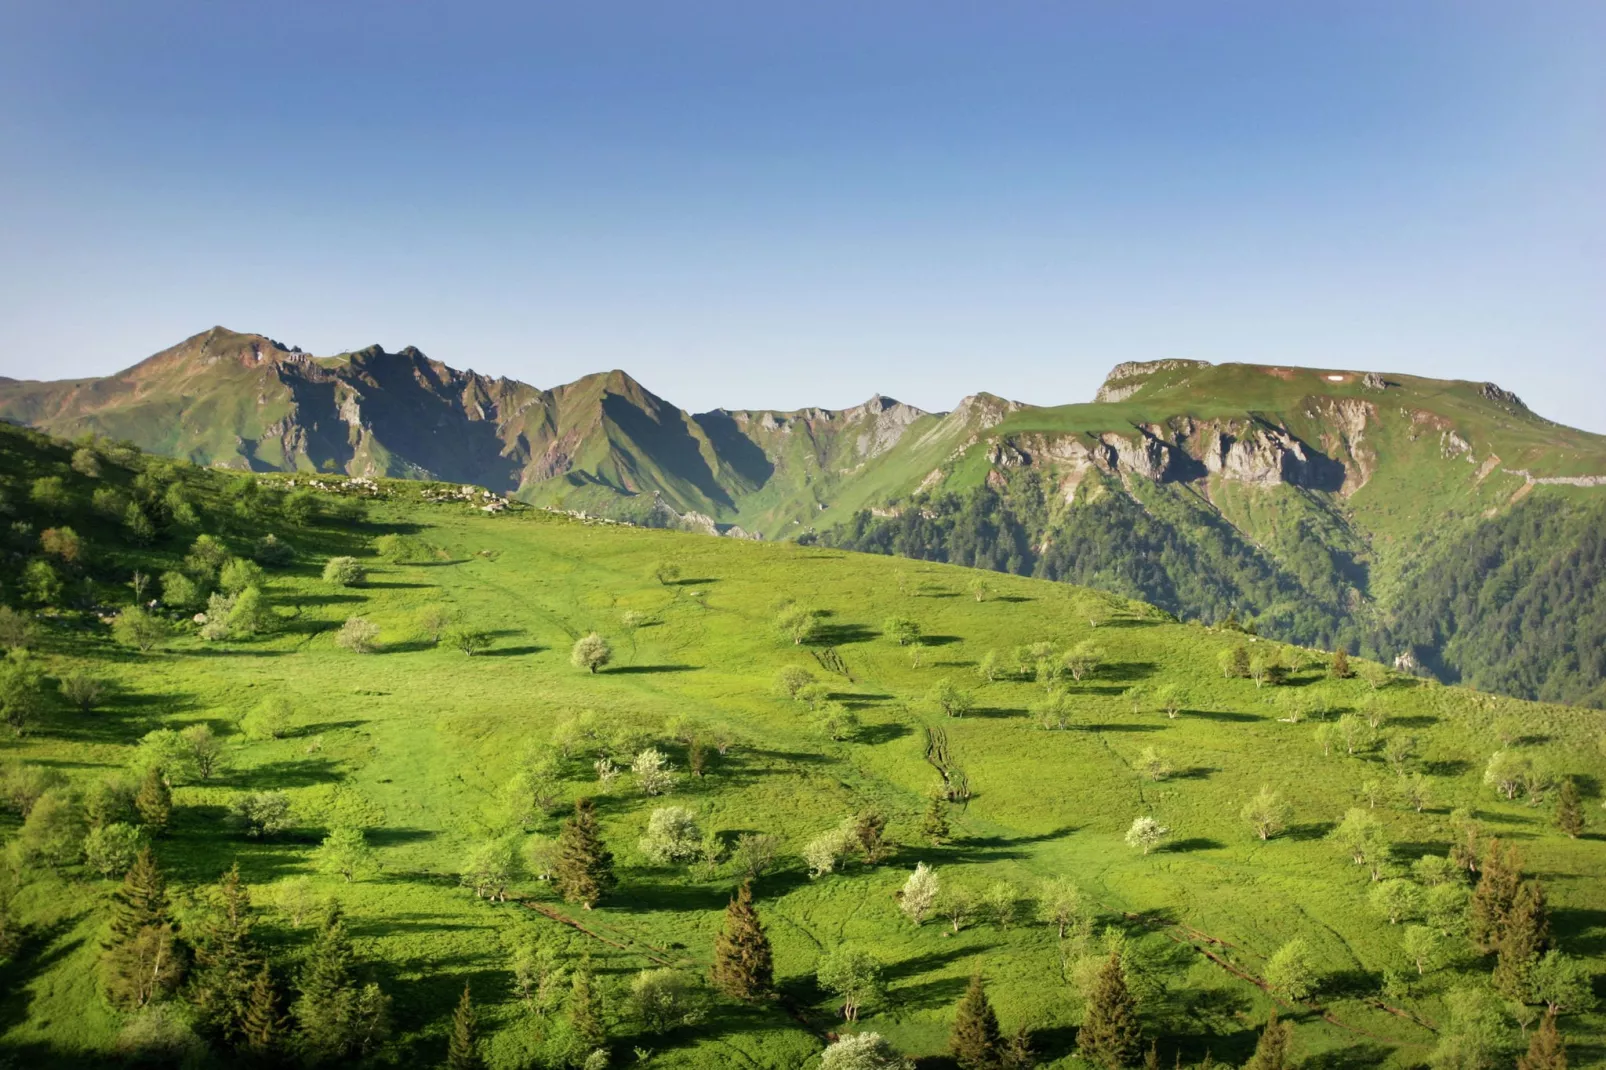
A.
x: 761, y: 204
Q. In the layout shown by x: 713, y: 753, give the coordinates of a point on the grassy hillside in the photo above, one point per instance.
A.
x: 414, y: 743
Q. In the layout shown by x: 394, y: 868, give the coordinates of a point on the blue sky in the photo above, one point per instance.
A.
x: 778, y: 205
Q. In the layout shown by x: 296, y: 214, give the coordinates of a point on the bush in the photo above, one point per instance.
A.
x: 270, y: 551
x: 952, y: 699
x: 16, y: 629
x: 63, y: 543
x: 54, y: 830
x: 250, y: 615
x: 654, y: 774
x: 21, y: 786
x: 1290, y: 974
x: 84, y: 691
x: 86, y: 463
x: 109, y: 850
x: 672, y: 836
x: 798, y: 624
x: 269, y: 720
x: 21, y: 694
x: 136, y: 628
x: 863, y: 1051
x: 663, y: 999
x: 41, y: 585
x: 344, y: 572
x: 591, y: 652
x: 181, y: 592
x: 358, y: 635
x: 792, y: 679
x: 239, y: 574
x: 216, y: 626
x: 261, y: 813
x: 901, y: 630
x: 469, y: 640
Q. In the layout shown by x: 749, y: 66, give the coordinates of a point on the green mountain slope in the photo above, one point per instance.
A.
x: 437, y: 761
x: 1311, y: 500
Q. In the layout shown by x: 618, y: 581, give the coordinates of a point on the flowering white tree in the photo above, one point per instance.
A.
x: 1146, y: 833
x: 919, y: 893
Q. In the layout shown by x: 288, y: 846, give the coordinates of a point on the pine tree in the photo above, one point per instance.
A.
x: 1524, y: 936
x: 226, y: 960
x: 1492, y: 898
x: 336, y: 1018
x: 584, y: 872
x: 1339, y: 669
x: 1271, y: 1051
x: 585, y: 1013
x: 934, y: 825
x: 462, y: 1050
x: 1018, y: 1055
x: 154, y: 800
x: 1109, y: 1034
x: 1547, y: 1048
x: 141, y: 901
x: 144, y: 959
x: 743, y: 965
x: 1569, y: 811
x: 976, y: 1042
x: 262, y: 1025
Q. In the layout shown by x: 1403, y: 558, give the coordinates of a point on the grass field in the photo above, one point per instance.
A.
x: 414, y: 742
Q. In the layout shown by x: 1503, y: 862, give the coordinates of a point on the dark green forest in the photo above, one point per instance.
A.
x: 1514, y: 606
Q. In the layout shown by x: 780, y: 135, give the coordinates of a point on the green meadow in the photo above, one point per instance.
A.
x: 414, y: 741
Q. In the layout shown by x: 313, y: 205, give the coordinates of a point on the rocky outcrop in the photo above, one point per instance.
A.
x: 1127, y: 378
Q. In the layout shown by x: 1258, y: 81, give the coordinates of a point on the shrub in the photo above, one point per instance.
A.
x: 54, y: 829
x: 358, y: 635
x: 109, y: 850
x: 344, y: 572
x: 270, y: 719
x: 86, y: 463
x: 21, y: 694
x: 952, y: 699
x: 672, y: 836
x: 181, y: 592
x: 250, y: 615
x: 40, y: 584
x: 270, y: 551
x: 17, y: 630
x: 261, y: 813
x: 238, y: 574
x: 1153, y: 765
x: 591, y: 652
x: 136, y: 628
x: 792, y: 679
x: 863, y: 1051
x: 216, y: 626
x: 1290, y: 973
x: 470, y: 641
x: 63, y: 543
x: 1146, y: 833
x: 663, y: 999
x: 654, y: 774
x: 901, y: 630
x: 84, y: 691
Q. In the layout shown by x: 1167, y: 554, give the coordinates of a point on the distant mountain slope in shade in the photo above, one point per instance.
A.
x: 1318, y: 501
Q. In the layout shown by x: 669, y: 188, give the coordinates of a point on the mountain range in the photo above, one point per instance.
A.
x: 1438, y: 522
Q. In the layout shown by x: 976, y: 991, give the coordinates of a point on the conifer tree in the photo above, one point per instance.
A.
x: 1493, y: 896
x: 1524, y: 936
x: 335, y: 1017
x: 743, y: 965
x: 1271, y: 1050
x: 934, y: 825
x: 154, y: 800
x: 144, y: 959
x: 585, y: 1011
x: 1569, y: 811
x: 462, y: 1050
x: 584, y: 872
x: 976, y: 1042
x: 262, y: 1025
x: 1109, y: 1034
x: 1547, y: 1048
x: 226, y: 960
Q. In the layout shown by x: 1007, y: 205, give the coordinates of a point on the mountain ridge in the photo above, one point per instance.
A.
x: 1311, y: 499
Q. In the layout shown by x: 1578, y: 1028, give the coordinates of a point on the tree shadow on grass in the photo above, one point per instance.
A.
x: 1195, y: 772
x: 1127, y: 671
x: 931, y: 960
x: 929, y: 995
x: 390, y: 836
x: 1224, y: 715
x: 1350, y: 984
x: 940, y: 640
x: 1012, y: 599
x: 1123, y: 726
x: 1311, y: 830
x: 842, y: 634
x: 1191, y: 844
x: 34, y: 957
x: 510, y: 651
x: 1453, y: 767
x: 1585, y: 929
x: 646, y: 896
x: 876, y: 734
x: 307, y: 731
x: 232, y: 652
x: 634, y: 670
x: 1413, y: 721
x: 1354, y: 1057
x: 295, y: 773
